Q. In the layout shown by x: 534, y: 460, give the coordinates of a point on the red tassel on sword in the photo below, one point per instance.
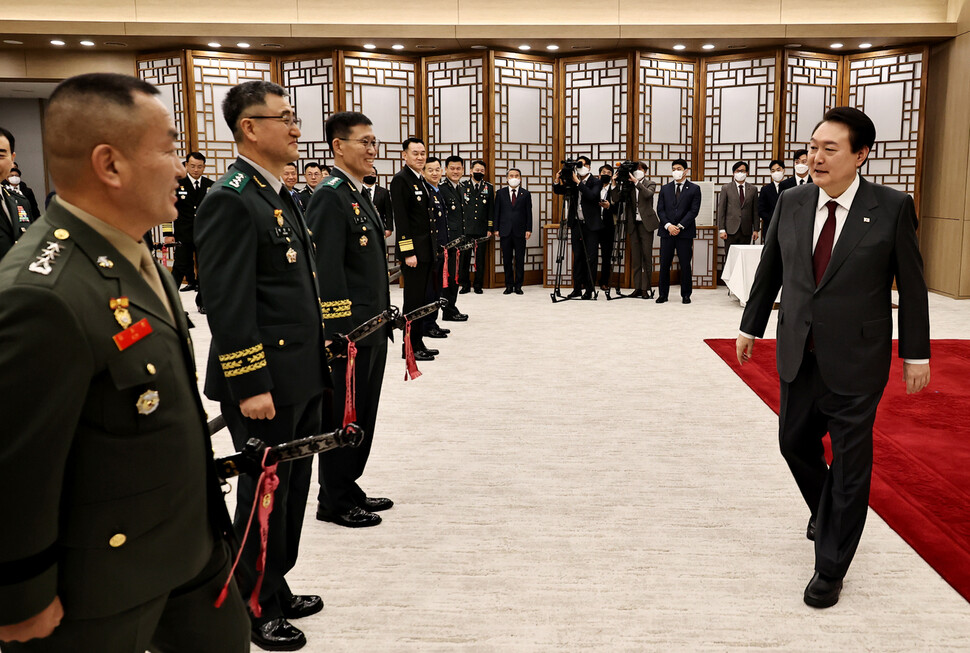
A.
x: 350, y: 407
x: 444, y: 273
x: 411, y: 370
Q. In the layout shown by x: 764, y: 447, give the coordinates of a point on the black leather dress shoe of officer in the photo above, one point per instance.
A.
x: 376, y: 504
x: 278, y: 635
x: 353, y: 518
x: 302, y: 605
x: 823, y: 592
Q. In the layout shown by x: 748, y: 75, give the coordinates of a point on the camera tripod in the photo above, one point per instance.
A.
x: 619, y: 237
x: 556, y: 293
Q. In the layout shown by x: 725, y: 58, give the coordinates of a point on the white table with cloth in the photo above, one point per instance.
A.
x: 739, y: 270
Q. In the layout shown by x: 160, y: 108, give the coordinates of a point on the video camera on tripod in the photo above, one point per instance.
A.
x: 568, y: 171
x: 625, y: 174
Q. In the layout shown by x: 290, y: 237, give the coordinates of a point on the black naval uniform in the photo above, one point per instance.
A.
x: 352, y: 262
x: 111, y: 496
x: 439, y: 218
x: 187, y: 203
x: 14, y: 219
x: 415, y: 237
x: 479, y: 211
x: 305, y: 196
x: 257, y: 264
x: 454, y: 199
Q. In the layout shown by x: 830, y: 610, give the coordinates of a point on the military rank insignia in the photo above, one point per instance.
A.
x: 47, y: 255
x: 363, y: 241
x: 147, y: 403
x: 356, y: 207
x: 278, y: 214
x: 120, y: 306
x: 131, y: 335
x: 105, y: 262
x: 291, y: 255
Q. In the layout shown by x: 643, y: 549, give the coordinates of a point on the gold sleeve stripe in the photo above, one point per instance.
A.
x: 236, y: 364
x: 242, y: 353
x: 405, y: 246
x: 245, y: 370
x: 337, y: 314
x: 336, y: 304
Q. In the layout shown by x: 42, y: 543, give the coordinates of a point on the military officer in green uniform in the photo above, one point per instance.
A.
x: 454, y: 196
x: 267, y: 363
x: 479, y: 196
x: 114, y: 524
x: 15, y: 217
x: 349, y: 234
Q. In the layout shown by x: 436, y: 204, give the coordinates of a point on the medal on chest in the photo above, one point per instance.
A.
x: 120, y: 307
x: 278, y: 214
x: 291, y: 255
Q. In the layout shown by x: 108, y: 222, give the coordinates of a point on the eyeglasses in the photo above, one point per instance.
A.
x: 288, y: 119
x: 364, y: 142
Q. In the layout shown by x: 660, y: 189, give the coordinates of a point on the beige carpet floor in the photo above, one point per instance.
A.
x: 589, y: 476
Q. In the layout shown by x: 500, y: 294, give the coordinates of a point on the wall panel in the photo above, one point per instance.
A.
x: 811, y: 89
x: 310, y: 82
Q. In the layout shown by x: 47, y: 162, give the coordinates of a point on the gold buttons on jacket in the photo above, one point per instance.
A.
x: 282, y: 342
x: 151, y: 369
x: 61, y: 234
x: 117, y: 540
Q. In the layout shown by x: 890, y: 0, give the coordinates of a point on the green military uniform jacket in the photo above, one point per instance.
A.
x: 110, y: 493
x: 11, y: 229
x: 454, y: 208
x: 479, y: 208
x: 256, y: 263
x: 351, y: 259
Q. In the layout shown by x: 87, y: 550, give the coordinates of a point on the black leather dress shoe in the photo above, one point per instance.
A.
x: 201, y: 310
x: 648, y: 294
x: 188, y: 287
x: 518, y: 291
x: 810, y: 531
x: 278, y: 635
x: 478, y: 291
x: 302, y: 605
x: 376, y: 504
x: 574, y: 294
x: 685, y: 300
x: 420, y: 355
x: 353, y: 518
x: 823, y: 592
x: 464, y: 291
x: 436, y: 333
x: 588, y: 295
x: 457, y: 317
x: 507, y: 291
x: 661, y: 299
x: 433, y: 352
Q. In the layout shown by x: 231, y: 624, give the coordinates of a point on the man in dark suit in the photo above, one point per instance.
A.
x: 479, y: 221
x: 291, y: 175
x: 768, y: 195
x: 585, y: 218
x: 641, y: 225
x: 513, y: 224
x: 16, y: 184
x: 380, y: 197
x: 677, y: 208
x: 116, y: 533
x: 313, y: 175
x: 607, y: 234
x: 453, y: 192
x: 836, y: 247
x: 737, y: 215
x: 192, y: 188
x: 801, y: 176
x: 267, y: 362
x: 352, y: 266
x: 416, y: 238
x: 16, y: 210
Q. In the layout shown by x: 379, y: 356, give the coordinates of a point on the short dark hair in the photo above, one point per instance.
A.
x: 776, y: 161
x: 514, y: 170
x: 738, y: 164
x: 312, y: 164
x: 195, y: 155
x: 410, y: 140
x: 862, y: 131
x: 679, y: 162
x: 605, y: 166
x: 339, y: 124
x: 432, y: 159
x: 479, y: 162
x: 583, y: 157
x: 114, y: 87
x: 291, y: 163
x: 642, y: 165
x: 454, y: 158
x: 242, y: 96
x: 324, y: 166
x: 799, y: 154
x: 14, y: 169
x: 6, y: 134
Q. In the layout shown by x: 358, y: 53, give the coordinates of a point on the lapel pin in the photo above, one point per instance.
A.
x: 105, y: 262
x: 865, y: 219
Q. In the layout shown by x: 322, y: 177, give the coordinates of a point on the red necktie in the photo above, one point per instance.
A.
x: 741, y: 193
x: 826, y: 240
x: 513, y: 198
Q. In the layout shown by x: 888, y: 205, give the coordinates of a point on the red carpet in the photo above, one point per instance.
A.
x: 921, y: 449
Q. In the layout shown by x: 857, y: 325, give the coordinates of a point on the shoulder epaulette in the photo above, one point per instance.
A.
x: 237, y: 181
x: 333, y: 182
x: 49, y: 258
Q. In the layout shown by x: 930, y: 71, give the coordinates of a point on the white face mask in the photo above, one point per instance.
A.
x: 801, y: 169
x: 677, y: 175
x: 582, y: 172
x: 514, y: 182
x: 638, y: 175
x: 740, y: 177
x: 778, y: 175
x: 14, y: 180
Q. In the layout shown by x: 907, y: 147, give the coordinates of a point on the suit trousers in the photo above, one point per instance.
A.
x: 685, y: 251
x: 837, y: 496
x: 513, y: 260
x: 606, y: 238
x: 480, y: 252
x: 416, y: 281
x: 340, y: 469
x: 433, y: 292
x: 289, y: 503
x: 183, y: 621
x: 184, y: 265
x: 641, y: 256
x: 585, y: 244
x: 451, y: 292
x: 737, y: 238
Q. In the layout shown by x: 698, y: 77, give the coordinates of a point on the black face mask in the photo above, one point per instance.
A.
x: 369, y: 180
x: 478, y: 176
x: 605, y: 178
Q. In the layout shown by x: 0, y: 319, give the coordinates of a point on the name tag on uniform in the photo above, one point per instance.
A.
x: 132, y: 334
x: 283, y: 232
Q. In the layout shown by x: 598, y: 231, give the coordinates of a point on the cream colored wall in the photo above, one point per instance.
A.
x: 54, y: 65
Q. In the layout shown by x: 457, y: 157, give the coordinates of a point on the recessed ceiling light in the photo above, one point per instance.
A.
x: 835, y: 46
x: 13, y: 42
x: 397, y: 46
x: 242, y: 44
x: 214, y: 44
x: 680, y: 46
x: 552, y: 47
x: 865, y: 46
x: 87, y: 44
x: 525, y: 47
x: 370, y: 46
x: 708, y: 46
x: 57, y: 42
x: 479, y: 47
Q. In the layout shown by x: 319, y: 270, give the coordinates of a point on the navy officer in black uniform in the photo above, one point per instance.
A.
x: 267, y: 363
x: 115, y: 529
x: 479, y: 196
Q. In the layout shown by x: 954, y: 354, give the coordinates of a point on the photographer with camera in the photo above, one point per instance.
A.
x: 608, y: 234
x: 584, y: 215
x: 640, y: 221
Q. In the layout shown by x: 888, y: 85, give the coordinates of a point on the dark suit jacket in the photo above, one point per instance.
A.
x: 382, y: 201
x: 188, y: 199
x: 107, y: 505
x: 12, y: 229
x: 791, y: 182
x: 682, y: 212
x: 767, y: 199
x: 850, y: 312
x: 261, y: 290
x: 513, y: 220
x: 639, y: 204
x: 586, y: 194
x: 412, y: 218
x: 731, y: 215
